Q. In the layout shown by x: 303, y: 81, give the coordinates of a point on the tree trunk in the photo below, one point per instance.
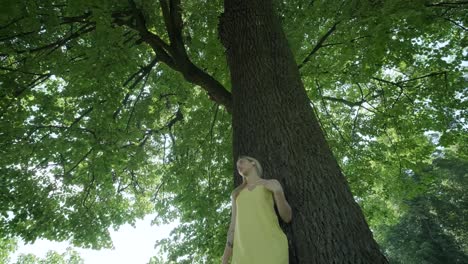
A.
x: 273, y: 121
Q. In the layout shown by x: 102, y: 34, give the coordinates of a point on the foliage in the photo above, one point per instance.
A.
x: 52, y: 257
x: 7, y: 247
x: 97, y: 130
x: 433, y: 229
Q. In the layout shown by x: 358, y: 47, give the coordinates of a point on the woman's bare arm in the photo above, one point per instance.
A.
x: 230, y: 235
x: 283, y: 206
x: 284, y: 209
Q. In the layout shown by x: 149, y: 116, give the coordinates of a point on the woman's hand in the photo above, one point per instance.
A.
x: 283, y: 206
x: 273, y: 186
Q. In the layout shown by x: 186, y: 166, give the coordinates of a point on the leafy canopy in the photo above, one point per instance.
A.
x: 98, y: 128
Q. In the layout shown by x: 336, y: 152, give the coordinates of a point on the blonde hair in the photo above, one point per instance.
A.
x: 258, y: 166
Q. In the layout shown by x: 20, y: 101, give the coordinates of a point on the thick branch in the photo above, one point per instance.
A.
x: 176, y: 54
x: 173, y: 55
x: 161, y: 48
x: 172, y: 14
x: 215, y: 89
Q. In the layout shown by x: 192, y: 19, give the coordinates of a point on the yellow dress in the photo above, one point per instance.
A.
x: 258, y: 238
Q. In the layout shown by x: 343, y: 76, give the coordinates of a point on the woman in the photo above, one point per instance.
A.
x: 254, y: 236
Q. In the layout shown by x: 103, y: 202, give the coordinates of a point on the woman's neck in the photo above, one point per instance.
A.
x: 252, y: 179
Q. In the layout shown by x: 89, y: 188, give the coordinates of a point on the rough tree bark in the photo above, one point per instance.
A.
x: 273, y: 121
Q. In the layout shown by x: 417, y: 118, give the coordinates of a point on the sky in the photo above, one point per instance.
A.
x: 132, y: 245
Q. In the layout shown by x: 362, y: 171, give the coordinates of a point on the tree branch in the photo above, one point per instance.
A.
x: 22, y: 34
x: 76, y: 19
x: 175, y: 55
x: 342, y: 43
x: 161, y: 48
x: 61, y: 128
x: 142, y: 72
x: 344, y: 101
x: 135, y: 184
x: 173, y: 20
x: 400, y: 86
x: 318, y: 45
x: 210, y: 134
x: 155, y: 195
x: 399, y: 83
x: 136, y: 101
x: 12, y: 22
x: 21, y: 71
x: 79, y: 162
x: 456, y: 24
x: 350, y: 103
x: 329, y: 114
x: 88, y: 27
x: 149, y: 132
x: 40, y: 79
x: 138, y: 76
x: 448, y: 4
x: 78, y: 119
x: 88, y: 191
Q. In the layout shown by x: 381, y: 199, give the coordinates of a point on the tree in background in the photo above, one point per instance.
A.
x: 52, y: 257
x: 433, y: 228
x: 9, y: 246
x: 105, y: 113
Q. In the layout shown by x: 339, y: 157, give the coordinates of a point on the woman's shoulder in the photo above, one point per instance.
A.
x: 272, y: 180
x: 237, y: 190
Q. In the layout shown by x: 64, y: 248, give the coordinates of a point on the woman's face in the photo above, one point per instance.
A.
x: 244, y: 166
